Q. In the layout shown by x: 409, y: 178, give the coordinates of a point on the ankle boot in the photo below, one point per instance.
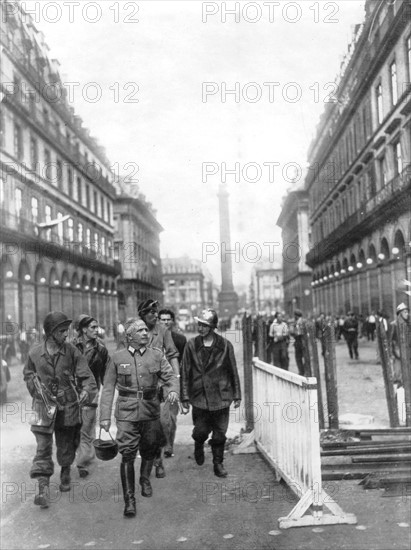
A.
x: 42, y: 499
x: 218, y: 457
x: 145, y: 471
x: 199, y: 453
x: 65, y: 479
x: 158, y: 464
x: 128, y: 484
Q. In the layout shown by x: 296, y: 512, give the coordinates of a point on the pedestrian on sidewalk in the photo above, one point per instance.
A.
x: 160, y: 337
x: 280, y: 337
x: 210, y: 383
x: 298, y: 334
x: 60, y: 381
x: 98, y: 359
x: 399, y: 345
x: 169, y: 412
x: 135, y: 371
x: 351, y: 334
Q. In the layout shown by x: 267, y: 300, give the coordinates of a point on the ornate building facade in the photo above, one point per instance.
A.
x: 137, y: 247
x: 56, y: 191
x: 359, y: 181
x: 188, y: 286
x: 266, y: 289
x: 294, y: 222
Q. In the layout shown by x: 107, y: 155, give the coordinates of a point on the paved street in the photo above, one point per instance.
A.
x: 191, y: 508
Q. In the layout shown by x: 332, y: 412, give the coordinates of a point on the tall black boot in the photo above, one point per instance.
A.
x: 218, y: 457
x: 65, y: 479
x: 158, y: 464
x: 128, y: 483
x: 42, y: 499
x: 145, y: 471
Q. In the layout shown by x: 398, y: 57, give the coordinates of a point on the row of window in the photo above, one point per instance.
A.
x: 61, y: 175
x: 356, y: 194
x: 357, y: 133
x: 66, y: 231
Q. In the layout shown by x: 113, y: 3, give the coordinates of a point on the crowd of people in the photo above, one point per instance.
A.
x: 350, y: 327
x: 157, y: 374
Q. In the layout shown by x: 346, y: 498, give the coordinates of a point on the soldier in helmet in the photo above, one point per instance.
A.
x: 60, y: 381
x: 98, y: 359
x: 135, y: 371
x: 210, y: 383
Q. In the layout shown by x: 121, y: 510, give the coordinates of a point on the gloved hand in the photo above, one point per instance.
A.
x: 105, y: 425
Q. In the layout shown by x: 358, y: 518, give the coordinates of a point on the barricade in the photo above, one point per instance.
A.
x: 287, y: 434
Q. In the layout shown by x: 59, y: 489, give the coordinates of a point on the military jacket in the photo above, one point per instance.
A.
x: 136, y: 373
x: 64, y: 375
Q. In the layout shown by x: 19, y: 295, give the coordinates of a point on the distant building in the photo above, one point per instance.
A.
x: 56, y: 191
x: 297, y: 276
x: 188, y: 286
x: 359, y: 182
x: 266, y: 287
x: 137, y: 247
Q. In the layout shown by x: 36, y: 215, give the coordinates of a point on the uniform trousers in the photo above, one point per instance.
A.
x: 67, y: 440
x: 145, y: 436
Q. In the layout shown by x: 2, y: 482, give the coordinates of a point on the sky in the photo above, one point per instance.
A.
x: 152, y: 80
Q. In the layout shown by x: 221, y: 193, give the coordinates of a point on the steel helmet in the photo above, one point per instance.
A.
x: 208, y: 317
x: 106, y: 449
x: 82, y: 321
x: 53, y: 320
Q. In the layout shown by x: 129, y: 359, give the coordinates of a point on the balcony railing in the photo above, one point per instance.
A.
x: 352, y: 228
x: 29, y: 233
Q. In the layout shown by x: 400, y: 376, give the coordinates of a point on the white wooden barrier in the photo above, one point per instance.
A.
x: 286, y: 432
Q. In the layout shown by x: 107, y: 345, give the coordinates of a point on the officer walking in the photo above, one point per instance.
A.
x: 159, y: 336
x: 135, y: 371
x: 53, y: 372
x: 98, y: 359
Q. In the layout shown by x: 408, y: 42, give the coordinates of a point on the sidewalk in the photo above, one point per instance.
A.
x: 191, y: 508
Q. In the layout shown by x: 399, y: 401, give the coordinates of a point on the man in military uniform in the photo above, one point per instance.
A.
x: 136, y: 371
x: 54, y: 372
x: 98, y: 359
x: 159, y: 336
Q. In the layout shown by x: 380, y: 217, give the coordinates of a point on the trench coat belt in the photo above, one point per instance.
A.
x: 148, y: 393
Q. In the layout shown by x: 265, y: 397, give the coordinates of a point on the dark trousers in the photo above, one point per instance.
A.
x: 67, y: 440
x: 210, y: 421
x: 299, y: 357
x: 280, y: 355
x: 352, y: 343
x: 168, y: 417
x: 146, y: 436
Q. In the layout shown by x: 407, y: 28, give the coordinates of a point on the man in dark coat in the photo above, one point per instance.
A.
x: 98, y: 359
x: 351, y: 334
x: 135, y: 372
x: 210, y: 383
x: 55, y: 373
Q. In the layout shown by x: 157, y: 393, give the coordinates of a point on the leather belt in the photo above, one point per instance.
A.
x: 140, y: 394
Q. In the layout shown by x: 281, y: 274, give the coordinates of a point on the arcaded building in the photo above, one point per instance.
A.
x: 137, y: 248
x: 359, y: 180
x: 56, y: 191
